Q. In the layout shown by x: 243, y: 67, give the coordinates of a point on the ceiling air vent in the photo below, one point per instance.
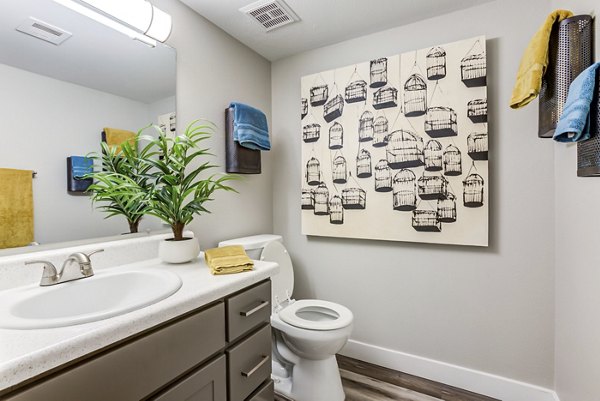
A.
x: 44, y: 31
x: 270, y: 14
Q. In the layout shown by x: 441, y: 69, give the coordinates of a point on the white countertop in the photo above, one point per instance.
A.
x: 25, y: 354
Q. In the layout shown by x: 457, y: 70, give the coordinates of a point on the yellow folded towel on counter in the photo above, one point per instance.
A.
x: 228, y: 259
x: 534, y: 62
x: 115, y: 137
x: 16, y: 208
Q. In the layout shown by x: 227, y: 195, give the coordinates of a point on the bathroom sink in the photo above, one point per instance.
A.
x: 105, y: 295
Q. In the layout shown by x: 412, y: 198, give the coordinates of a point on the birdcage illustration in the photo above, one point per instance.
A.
x: 415, y: 96
x: 336, y: 210
x: 477, y: 146
x: 319, y: 95
x: 436, y: 63
x: 426, y: 220
x: 378, y: 72
x: 385, y: 97
x: 433, y: 155
x: 339, y: 170
x: 354, y: 198
x: 356, y: 91
x: 313, y: 172
x: 311, y: 132
x: 404, y: 149
x: 333, y: 108
x: 446, y: 209
x: 380, y: 132
x: 304, y: 108
x: 363, y: 164
x: 308, y: 199
x: 405, y: 191
x: 365, y: 127
x: 452, y: 161
x: 336, y: 136
x: 477, y: 110
x: 473, y: 190
x: 383, y: 176
x: 432, y: 187
x: 321, y: 200
x: 440, y: 122
x: 473, y: 70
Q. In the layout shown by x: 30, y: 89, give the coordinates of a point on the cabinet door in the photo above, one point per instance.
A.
x: 265, y: 393
x: 205, y: 384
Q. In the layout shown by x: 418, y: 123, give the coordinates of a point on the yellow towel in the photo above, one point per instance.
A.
x: 16, y: 208
x: 228, y: 259
x: 534, y: 62
x: 115, y: 137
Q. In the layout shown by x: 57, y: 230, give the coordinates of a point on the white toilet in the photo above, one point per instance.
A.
x: 308, y: 333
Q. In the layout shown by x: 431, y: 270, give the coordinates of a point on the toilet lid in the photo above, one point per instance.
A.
x: 314, y: 314
x: 282, y: 284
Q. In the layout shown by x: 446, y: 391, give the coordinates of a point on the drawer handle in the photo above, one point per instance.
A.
x: 255, y: 309
x: 264, y: 359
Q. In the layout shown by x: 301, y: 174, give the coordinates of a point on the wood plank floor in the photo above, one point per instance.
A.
x: 363, y: 381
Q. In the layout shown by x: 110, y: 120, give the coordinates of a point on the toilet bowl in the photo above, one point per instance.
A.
x: 306, y: 333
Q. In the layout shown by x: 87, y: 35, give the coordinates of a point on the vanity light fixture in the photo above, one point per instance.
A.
x: 138, y: 19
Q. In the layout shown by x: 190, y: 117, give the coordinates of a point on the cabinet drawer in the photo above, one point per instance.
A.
x: 249, y: 364
x: 248, y: 309
x: 265, y: 393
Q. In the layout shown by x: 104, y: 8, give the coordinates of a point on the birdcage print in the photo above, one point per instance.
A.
x: 404, y: 149
x: 405, y: 191
x: 452, y: 161
x: 336, y: 210
x: 339, y: 170
x: 383, y: 176
x: 311, y: 133
x: 436, y: 63
x: 378, y: 72
x: 336, y: 136
x: 446, y: 209
x: 308, y: 199
x: 356, y: 91
x: 380, y: 132
x: 415, y: 96
x: 440, y: 122
x: 432, y: 187
x: 365, y: 127
x: 473, y: 190
x: 426, y: 220
x: 473, y: 70
x: 319, y: 95
x: 363, y: 164
x: 321, y: 200
x: 433, y: 155
x: 333, y: 108
x: 477, y: 110
x: 313, y: 172
x: 354, y: 198
x: 304, y: 108
x: 385, y: 97
x: 477, y: 146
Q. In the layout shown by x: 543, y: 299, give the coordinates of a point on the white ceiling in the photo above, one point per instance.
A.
x: 323, y: 22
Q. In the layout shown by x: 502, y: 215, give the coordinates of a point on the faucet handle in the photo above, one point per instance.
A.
x: 95, y: 252
x: 49, y: 276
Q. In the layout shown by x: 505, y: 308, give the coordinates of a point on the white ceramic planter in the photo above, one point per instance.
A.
x: 170, y: 251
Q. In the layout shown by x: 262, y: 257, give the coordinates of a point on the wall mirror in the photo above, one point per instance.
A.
x: 56, y: 100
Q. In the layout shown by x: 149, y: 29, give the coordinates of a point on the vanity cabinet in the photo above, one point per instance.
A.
x: 220, y: 352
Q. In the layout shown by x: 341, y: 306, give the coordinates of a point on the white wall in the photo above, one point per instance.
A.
x: 489, y: 309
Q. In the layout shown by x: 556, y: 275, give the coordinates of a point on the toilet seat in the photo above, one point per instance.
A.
x: 314, y: 314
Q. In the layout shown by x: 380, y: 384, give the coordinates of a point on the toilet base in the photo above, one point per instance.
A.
x: 312, y: 381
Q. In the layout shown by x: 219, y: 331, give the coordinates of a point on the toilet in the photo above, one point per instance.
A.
x: 307, y: 333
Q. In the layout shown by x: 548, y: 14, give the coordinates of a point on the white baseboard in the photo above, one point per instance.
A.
x: 479, y: 382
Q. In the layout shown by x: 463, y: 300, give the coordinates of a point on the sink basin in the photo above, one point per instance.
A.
x: 105, y: 295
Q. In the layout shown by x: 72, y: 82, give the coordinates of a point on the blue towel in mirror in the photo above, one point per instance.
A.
x: 250, y: 127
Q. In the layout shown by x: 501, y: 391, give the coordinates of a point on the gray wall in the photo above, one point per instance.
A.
x: 488, y: 309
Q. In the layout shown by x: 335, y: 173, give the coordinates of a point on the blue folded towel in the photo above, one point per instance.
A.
x: 81, y: 166
x: 574, y: 123
x: 250, y: 127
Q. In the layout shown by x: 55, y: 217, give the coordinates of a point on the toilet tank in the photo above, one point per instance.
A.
x: 254, y: 244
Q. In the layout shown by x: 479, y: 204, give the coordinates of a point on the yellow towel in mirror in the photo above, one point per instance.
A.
x: 16, y: 208
x: 115, y: 137
x: 534, y: 62
x: 228, y: 259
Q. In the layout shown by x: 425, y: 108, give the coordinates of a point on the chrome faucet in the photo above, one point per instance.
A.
x: 52, y: 277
